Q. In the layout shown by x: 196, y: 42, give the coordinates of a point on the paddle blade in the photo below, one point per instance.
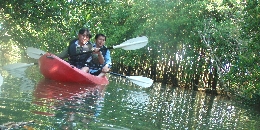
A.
x: 34, y: 52
x: 1, y: 81
x: 17, y: 66
x: 140, y: 81
x: 133, y: 44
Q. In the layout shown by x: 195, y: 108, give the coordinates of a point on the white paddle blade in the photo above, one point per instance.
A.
x: 133, y: 44
x: 34, y: 52
x: 1, y: 81
x: 17, y: 66
x: 140, y: 81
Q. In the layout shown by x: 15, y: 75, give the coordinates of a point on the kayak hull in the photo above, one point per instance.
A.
x: 54, y: 68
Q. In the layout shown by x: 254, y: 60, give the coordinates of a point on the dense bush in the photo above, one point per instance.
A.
x: 197, y: 44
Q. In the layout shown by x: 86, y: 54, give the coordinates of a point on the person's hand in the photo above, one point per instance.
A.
x: 105, y: 69
x: 95, y: 50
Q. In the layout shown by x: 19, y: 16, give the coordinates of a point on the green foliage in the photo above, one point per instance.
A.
x: 206, y: 35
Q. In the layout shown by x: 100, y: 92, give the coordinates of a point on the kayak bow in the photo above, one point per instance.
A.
x: 52, y: 67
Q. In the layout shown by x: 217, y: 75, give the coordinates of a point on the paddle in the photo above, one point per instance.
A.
x: 18, y: 65
x: 131, y: 44
x: 34, y: 52
x: 1, y: 81
x: 138, y: 80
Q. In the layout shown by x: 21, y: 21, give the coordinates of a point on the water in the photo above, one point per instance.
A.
x: 28, y: 101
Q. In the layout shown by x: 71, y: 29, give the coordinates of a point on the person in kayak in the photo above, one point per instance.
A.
x: 101, y: 69
x: 81, y: 45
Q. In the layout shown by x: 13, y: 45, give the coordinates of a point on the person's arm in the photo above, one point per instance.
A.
x: 100, y: 58
x: 64, y: 53
x: 108, y: 61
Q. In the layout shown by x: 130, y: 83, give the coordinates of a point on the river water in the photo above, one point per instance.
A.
x: 29, y: 101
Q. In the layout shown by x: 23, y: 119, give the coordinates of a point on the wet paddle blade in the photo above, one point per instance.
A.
x: 17, y: 66
x: 133, y: 44
x: 140, y: 81
x: 1, y: 81
x: 34, y: 52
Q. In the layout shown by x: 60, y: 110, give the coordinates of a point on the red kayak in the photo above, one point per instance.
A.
x: 52, y: 67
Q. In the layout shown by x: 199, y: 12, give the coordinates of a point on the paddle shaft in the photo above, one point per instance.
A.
x: 93, y: 51
x: 131, y: 44
x: 117, y: 74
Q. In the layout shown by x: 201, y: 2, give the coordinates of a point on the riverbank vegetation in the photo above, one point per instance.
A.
x: 198, y: 45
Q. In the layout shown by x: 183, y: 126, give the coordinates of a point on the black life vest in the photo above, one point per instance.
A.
x: 78, y: 61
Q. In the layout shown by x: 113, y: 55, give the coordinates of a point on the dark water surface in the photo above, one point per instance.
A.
x: 28, y: 101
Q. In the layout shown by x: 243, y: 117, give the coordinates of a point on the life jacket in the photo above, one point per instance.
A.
x: 78, y: 61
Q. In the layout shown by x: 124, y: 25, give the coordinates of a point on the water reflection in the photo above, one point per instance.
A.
x: 175, y: 108
x: 56, y: 105
x: 72, y: 104
x: 136, y: 99
x: 26, y: 85
x: 119, y: 105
